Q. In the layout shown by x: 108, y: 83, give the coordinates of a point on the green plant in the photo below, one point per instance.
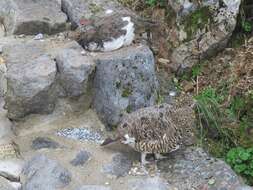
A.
x: 208, y: 109
x: 247, y: 26
x: 210, y: 119
x: 155, y: 2
x: 244, y: 23
x: 160, y: 98
x: 241, y: 160
x: 127, y: 91
x: 129, y: 109
x: 196, y: 71
x: 237, y: 106
x: 197, y: 20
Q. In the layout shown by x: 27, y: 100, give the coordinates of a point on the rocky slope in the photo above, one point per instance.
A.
x: 58, y: 96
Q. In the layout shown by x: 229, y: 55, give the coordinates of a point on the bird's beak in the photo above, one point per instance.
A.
x: 109, y: 141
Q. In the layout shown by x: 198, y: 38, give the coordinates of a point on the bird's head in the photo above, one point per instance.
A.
x: 123, y: 131
x: 126, y: 139
x: 123, y: 135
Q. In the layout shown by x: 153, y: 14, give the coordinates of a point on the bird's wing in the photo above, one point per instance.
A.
x: 162, y: 145
x: 155, y: 129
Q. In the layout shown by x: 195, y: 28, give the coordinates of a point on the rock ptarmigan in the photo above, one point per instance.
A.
x: 106, y: 34
x: 155, y: 129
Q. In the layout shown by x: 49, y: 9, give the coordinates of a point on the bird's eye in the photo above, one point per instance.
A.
x: 188, y: 130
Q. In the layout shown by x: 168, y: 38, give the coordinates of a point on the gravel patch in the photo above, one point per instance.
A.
x: 81, y: 134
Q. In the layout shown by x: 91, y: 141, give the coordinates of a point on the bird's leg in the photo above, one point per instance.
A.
x: 158, y: 156
x: 143, y: 158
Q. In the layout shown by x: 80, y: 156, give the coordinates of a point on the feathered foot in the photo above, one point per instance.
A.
x: 158, y: 156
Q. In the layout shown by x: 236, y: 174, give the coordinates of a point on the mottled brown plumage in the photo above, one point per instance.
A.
x: 156, y: 129
x: 93, y: 33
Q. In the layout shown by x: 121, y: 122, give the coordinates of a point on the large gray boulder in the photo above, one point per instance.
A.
x: 125, y: 80
x: 196, y: 30
x: 75, y: 71
x: 32, y: 16
x: 201, y: 30
x: 42, y: 173
x: 41, y: 72
x: 30, y: 88
x: 102, y: 25
x: 194, y: 168
x: 30, y: 78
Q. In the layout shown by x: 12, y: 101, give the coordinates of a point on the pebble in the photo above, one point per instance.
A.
x: 83, y: 53
x: 188, y: 86
x: 135, y: 171
x: 109, y: 11
x: 172, y: 93
x: 39, y: 36
x: 21, y: 36
x: 211, y: 182
x: 163, y: 61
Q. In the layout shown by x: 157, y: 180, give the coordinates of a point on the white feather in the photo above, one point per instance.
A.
x: 123, y: 40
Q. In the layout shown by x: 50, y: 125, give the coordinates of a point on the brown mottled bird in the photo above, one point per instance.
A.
x: 110, y: 32
x: 155, y: 129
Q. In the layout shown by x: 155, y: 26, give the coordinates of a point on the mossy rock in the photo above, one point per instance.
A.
x: 127, y: 91
x: 199, y: 19
x: 94, y: 8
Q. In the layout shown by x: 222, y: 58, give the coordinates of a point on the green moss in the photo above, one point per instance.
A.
x: 129, y: 109
x: 94, y: 8
x: 198, y: 19
x: 160, y: 98
x: 118, y: 84
x: 127, y: 91
x: 237, y: 40
x: 142, y: 77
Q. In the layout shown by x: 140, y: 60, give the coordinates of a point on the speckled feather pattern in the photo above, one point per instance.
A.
x: 157, y: 129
